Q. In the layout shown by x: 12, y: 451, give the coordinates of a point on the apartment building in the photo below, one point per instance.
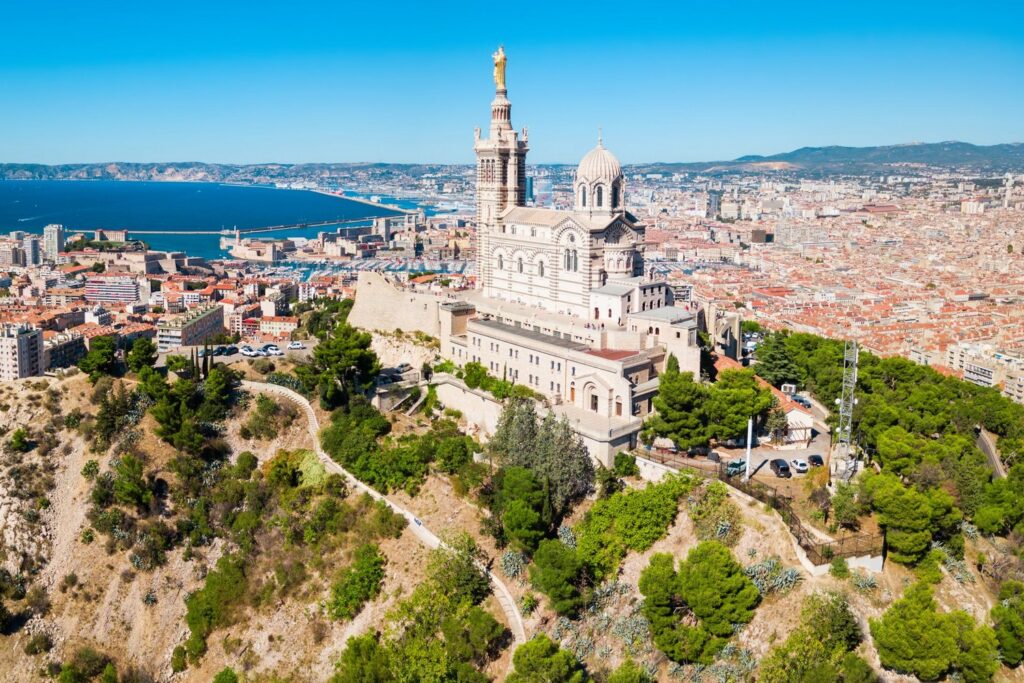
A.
x: 278, y: 325
x: 21, y: 351
x: 53, y: 241
x: 191, y: 328
x: 112, y: 288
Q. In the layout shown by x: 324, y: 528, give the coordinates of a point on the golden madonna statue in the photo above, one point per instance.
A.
x: 499, y: 68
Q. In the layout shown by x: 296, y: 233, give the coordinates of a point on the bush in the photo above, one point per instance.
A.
x: 226, y: 675
x: 625, y: 465
x: 1008, y: 619
x: 38, y: 644
x: 540, y: 660
x: 357, y: 583
x: 839, y: 568
x: 629, y: 520
x: 213, y: 606
x: 178, y: 660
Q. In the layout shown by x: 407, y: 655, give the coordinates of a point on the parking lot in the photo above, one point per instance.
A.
x: 292, y: 354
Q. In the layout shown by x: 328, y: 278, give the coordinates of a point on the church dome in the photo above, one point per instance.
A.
x: 599, y: 164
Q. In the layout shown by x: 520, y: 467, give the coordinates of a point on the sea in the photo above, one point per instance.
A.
x: 85, y: 205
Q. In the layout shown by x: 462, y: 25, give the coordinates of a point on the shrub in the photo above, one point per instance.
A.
x: 178, y: 660
x: 558, y: 572
x: 540, y: 659
x: 357, y: 583
x: 629, y: 520
x: 839, y: 568
x: 38, y: 644
x: 1008, y: 619
x: 625, y: 465
x: 213, y: 605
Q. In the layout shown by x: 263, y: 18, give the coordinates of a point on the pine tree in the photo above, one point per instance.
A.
x: 679, y: 408
x: 775, y: 363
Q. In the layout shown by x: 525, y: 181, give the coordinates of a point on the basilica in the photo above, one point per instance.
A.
x: 562, y: 303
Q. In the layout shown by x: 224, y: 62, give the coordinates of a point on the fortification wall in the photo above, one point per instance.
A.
x: 380, y: 305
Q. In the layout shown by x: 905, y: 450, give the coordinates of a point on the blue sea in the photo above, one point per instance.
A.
x: 29, y: 205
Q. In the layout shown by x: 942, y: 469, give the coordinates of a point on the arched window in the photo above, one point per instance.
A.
x: 583, y: 196
x: 519, y: 265
x: 540, y: 268
x: 599, y: 196
x: 616, y: 192
x: 501, y: 262
x: 568, y: 259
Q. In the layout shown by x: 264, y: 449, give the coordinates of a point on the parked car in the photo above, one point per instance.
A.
x: 201, y: 354
x: 737, y: 466
x: 403, y: 368
x: 296, y: 345
x: 231, y: 350
x: 739, y: 442
x: 781, y: 468
x: 249, y: 352
x: 697, y: 450
x: 800, y: 466
x: 714, y: 457
x: 802, y: 401
x: 815, y: 461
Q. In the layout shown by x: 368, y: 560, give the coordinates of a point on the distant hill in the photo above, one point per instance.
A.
x: 809, y: 161
x: 836, y: 159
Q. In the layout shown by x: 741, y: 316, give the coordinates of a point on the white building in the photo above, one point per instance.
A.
x: 191, y: 328
x: 563, y: 305
x: 21, y: 352
x: 53, y: 241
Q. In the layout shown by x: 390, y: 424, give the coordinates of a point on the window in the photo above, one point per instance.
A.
x: 618, y: 407
x: 540, y: 268
x: 573, y: 371
x: 519, y: 265
x: 593, y: 397
x: 599, y: 196
x: 501, y: 262
x: 583, y: 196
x: 597, y: 313
x: 533, y: 232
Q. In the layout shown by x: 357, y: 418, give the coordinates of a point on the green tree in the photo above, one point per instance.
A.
x: 735, y: 397
x: 540, y: 660
x: 679, y: 408
x: 845, y: 510
x: 364, y: 660
x: 777, y: 424
x: 523, y: 526
x: 100, y: 359
x: 775, y: 363
x: 905, y: 513
x: 1008, y: 619
x: 710, y: 587
x: 912, y: 637
x: 817, y: 649
x: 142, y: 355
x: 629, y: 672
x: 19, y: 441
x: 130, y: 485
x: 558, y: 572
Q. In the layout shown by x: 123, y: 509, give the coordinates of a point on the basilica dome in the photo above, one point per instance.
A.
x: 599, y: 183
x: 599, y: 165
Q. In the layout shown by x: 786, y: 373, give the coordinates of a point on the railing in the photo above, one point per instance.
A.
x: 819, y: 552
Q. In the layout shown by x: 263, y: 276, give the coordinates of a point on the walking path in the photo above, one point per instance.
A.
x: 425, y: 535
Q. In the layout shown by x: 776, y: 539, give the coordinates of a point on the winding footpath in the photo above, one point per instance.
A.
x: 422, y: 533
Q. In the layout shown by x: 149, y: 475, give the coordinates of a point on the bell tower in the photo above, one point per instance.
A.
x: 500, y: 171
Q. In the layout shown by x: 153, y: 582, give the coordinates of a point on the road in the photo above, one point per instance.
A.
x: 986, y: 441
x: 422, y: 533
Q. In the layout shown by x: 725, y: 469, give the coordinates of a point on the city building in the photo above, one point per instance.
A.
x: 112, y: 288
x: 21, y: 351
x: 62, y: 349
x: 191, y: 328
x: 53, y: 241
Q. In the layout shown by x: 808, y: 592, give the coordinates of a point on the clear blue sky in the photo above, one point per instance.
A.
x: 407, y: 82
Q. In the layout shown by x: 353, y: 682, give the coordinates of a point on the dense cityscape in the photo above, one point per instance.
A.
x: 497, y: 403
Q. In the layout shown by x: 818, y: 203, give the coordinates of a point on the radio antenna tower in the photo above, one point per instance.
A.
x: 845, y: 460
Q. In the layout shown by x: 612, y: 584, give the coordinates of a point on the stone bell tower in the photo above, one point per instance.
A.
x: 500, y: 171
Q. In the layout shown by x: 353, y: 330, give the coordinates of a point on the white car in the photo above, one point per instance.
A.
x: 249, y: 352
x: 296, y: 345
x: 275, y: 352
x: 800, y: 466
